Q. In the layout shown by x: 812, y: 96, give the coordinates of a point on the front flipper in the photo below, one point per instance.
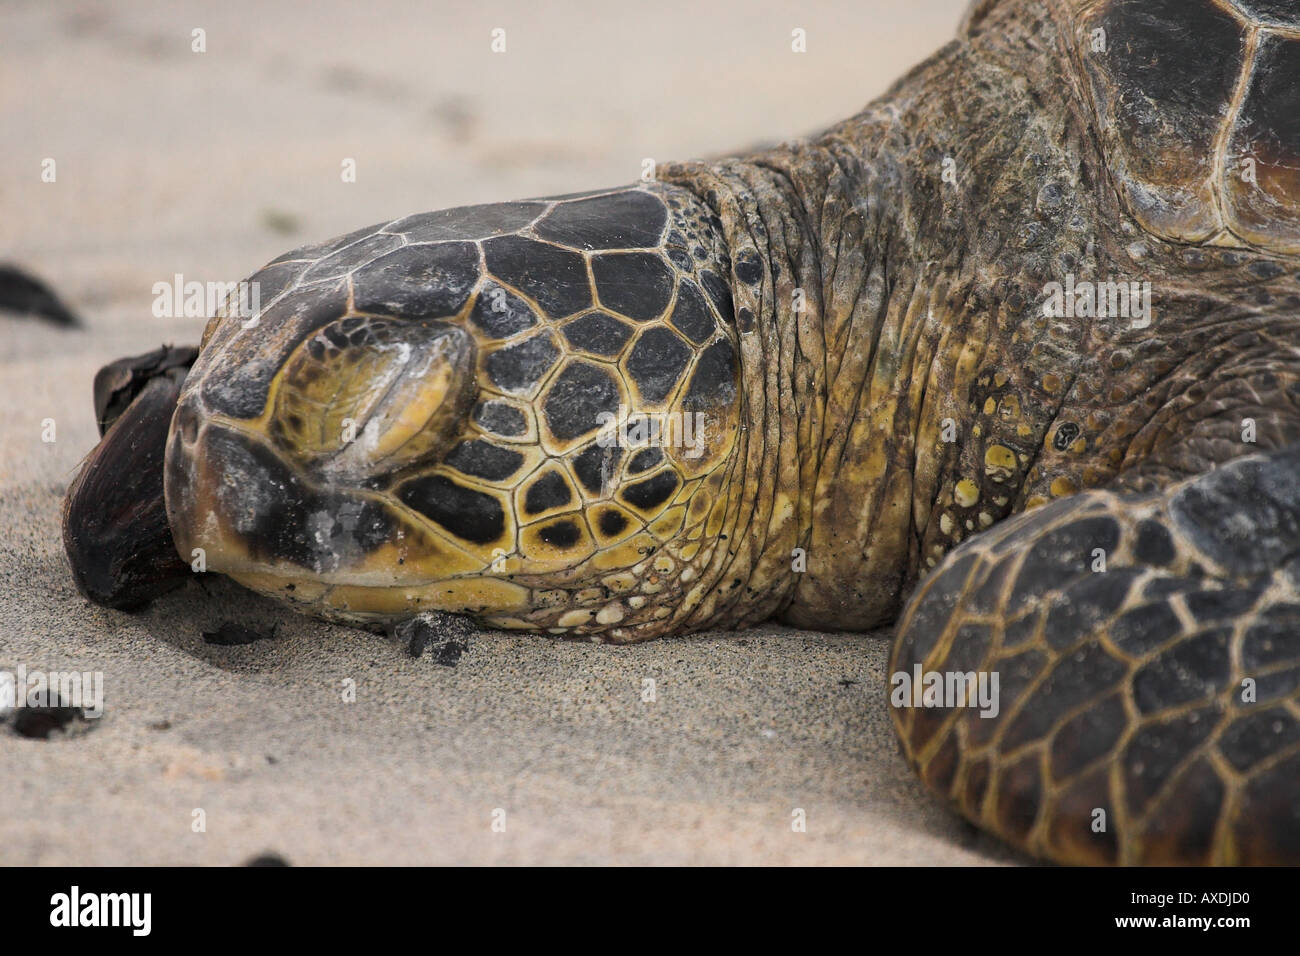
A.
x: 115, y: 527
x: 1147, y: 658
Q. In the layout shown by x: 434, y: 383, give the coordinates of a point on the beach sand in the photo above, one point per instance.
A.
x: 209, y: 164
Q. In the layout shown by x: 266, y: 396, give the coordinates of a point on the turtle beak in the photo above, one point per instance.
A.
x: 234, y: 503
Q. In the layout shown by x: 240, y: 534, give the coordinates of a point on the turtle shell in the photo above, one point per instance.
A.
x: 1198, y: 109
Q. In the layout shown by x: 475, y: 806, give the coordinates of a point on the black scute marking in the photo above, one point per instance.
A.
x: 612, y: 522
x: 554, y: 278
x: 518, y: 367
x: 587, y: 465
x: 624, y: 220
x: 1266, y: 823
x: 241, y: 390
x: 581, y: 393
x: 748, y: 268
x: 644, y: 460
x: 652, y: 492
x: 657, y: 362
x: 713, y: 384
x: 284, y: 514
x: 500, y: 313
x: 346, y: 259
x: 547, y: 492
x: 425, y: 281
x: 720, y: 293
x: 691, y: 314
x: 501, y: 418
x: 468, y: 222
x: 636, y: 284
x: 598, y: 332
x: 1066, y: 433
x: 584, y: 194
x: 468, y: 514
x: 562, y: 534
x: 482, y: 459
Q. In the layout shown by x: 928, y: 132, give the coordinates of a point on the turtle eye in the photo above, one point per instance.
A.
x: 365, y: 396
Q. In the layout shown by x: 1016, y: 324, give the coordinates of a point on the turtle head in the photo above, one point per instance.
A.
x: 521, y: 411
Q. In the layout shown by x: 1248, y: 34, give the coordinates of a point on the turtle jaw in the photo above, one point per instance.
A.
x: 235, y: 503
x: 238, y: 507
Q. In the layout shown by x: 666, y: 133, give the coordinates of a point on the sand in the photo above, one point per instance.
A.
x: 209, y: 164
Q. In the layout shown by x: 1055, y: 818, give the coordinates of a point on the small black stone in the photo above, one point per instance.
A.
x: 447, y: 634
x: 40, y: 723
x: 26, y: 295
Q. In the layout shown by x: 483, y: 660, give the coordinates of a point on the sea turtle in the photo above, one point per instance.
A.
x: 1012, y: 357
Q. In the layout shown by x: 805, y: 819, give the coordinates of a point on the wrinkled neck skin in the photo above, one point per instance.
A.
x: 872, y: 269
